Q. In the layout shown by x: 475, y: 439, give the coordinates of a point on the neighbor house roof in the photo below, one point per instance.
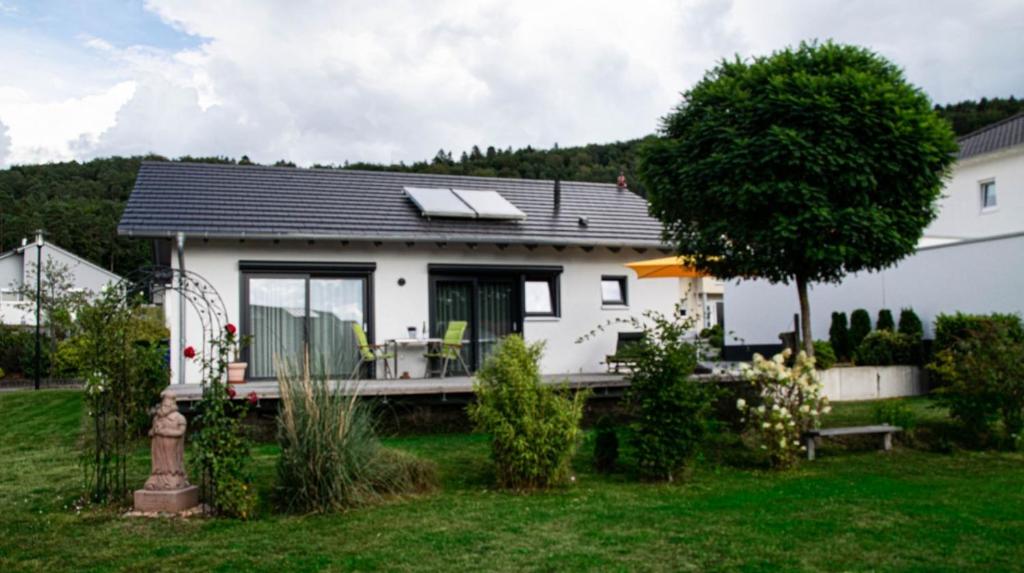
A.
x: 233, y: 201
x: 1000, y: 135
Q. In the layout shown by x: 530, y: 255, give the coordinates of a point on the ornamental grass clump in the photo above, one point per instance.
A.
x: 791, y: 404
x: 331, y: 458
x: 534, y: 427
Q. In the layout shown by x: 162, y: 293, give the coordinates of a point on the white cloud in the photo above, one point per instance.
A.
x: 388, y: 81
x: 5, y: 144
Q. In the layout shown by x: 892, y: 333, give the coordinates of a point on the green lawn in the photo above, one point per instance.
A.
x: 853, y: 509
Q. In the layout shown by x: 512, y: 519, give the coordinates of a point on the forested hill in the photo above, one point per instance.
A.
x: 79, y: 204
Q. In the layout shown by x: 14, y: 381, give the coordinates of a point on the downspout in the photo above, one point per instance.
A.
x: 705, y: 314
x: 181, y: 308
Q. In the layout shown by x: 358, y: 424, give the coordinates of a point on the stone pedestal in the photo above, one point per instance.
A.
x: 166, y: 501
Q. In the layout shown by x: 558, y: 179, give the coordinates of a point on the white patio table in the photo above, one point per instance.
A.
x: 400, y: 343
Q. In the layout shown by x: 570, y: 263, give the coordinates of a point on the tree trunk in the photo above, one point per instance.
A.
x: 805, y: 316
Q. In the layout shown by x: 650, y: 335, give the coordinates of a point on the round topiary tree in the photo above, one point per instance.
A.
x: 800, y: 166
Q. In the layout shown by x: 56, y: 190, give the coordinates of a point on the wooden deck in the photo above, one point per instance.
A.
x: 452, y: 385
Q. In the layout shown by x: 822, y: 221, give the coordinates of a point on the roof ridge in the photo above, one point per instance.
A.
x: 991, y: 126
x: 370, y: 171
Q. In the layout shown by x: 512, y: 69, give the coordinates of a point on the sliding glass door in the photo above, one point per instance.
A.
x: 277, y: 323
x: 489, y: 305
x: 334, y: 306
x: 288, y: 315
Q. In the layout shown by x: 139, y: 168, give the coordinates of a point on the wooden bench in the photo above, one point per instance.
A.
x: 625, y: 355
x: 886, y: 431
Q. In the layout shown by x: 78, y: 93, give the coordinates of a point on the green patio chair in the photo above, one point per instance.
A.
x: 451, y: 348
x: 370, y: 353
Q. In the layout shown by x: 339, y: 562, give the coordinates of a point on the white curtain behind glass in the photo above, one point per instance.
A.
x: 277, y: 309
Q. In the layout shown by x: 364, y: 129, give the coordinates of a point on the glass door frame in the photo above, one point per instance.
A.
x: 307, y: 271
x: 474, y: 275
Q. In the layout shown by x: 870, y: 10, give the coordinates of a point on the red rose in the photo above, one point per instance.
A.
x: 230, y: 328
x: 190, y: 352
x: 231, y: 392
x: 253, y: 398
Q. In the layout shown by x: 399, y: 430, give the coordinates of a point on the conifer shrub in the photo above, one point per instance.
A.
x: 824, y: 356
x: 839, y: 336
x: 885, y: 321
x: 910, y: 324
x: 860, y: 327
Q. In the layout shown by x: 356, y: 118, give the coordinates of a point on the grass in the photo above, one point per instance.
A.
x: 853, y: 509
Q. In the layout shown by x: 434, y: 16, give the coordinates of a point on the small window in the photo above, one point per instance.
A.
x: 613, y: 290
x: 539, y: 296
x: 988, y: 195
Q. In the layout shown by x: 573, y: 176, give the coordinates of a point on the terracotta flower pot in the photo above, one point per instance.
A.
x: 236, y: 372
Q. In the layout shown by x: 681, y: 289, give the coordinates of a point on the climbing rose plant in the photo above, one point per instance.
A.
x: 791, y: 404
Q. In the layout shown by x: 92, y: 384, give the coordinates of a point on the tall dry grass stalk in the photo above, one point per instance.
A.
x: 331, y: 458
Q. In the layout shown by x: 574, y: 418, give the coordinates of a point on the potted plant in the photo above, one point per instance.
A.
x: 236, y: 369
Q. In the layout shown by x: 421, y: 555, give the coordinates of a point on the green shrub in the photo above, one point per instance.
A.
x: 331, y: 458
x: 910, y: 324
x: 885, y: 321
x: 895, y: 413
x: 715, y: 336
x: 18, y: 352
x: 839, y: 336
x: 981, y: 366
x: 534, y: 427
x: 951, y: 328
x: 824, y: 356
x: 860, y: 327
x: 885, y: 348
x: 672, y: 409
x: 606, y: 446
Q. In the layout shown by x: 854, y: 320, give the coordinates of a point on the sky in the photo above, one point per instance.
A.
x: 385, y: 81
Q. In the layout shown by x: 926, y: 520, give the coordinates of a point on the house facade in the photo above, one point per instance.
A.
x: 971, y: 258
x: 299, y: 256
x: 18, y: 267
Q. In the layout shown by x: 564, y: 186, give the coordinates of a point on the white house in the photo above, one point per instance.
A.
x: 971, y: 258
x: 18, y: 267
x: 299, y: 255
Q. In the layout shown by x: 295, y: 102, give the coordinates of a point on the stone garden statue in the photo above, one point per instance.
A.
x: 167, y: 489
x: 168, y: 446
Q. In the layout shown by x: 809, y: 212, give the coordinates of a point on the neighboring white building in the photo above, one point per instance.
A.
x: 300, y: 255
x: 18, y: 266
x: 971, y: 258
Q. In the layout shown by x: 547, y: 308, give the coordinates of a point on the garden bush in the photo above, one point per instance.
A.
x: 860, y: 327
x: 715, y: 336
x: 791, y: 404
x: 673, y: 411
x: 885, y: 321
x: 606, y: 446
x: 896, y: 412
x: 331, y: 458
x: 885, y: 348
x: 824, y: 356
x: 839, y: 337
x: 981, y: 367
x: 18, y: 352
x: 534, y: 427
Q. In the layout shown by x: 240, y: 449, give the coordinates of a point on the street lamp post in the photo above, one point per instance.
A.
x: 39, y: 293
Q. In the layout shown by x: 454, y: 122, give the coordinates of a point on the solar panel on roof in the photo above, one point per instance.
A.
x: 489, y: 204
x: 439, y: 203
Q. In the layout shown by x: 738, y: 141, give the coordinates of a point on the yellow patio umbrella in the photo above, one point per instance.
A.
x: 666, y: 267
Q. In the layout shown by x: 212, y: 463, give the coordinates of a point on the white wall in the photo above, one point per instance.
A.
x: 979, y: 276
x: 960, y: 212
x: 397, y: 307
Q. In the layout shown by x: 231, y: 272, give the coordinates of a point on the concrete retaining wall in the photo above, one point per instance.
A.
x: 870, y: 382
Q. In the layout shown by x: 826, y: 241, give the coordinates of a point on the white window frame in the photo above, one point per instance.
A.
x: 983, y: 186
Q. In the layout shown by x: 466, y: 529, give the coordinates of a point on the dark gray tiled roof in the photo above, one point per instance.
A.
x: 234, y: 201
x: 1000, y: 135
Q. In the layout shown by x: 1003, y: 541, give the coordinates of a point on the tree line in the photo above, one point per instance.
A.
x: 79, y: 203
